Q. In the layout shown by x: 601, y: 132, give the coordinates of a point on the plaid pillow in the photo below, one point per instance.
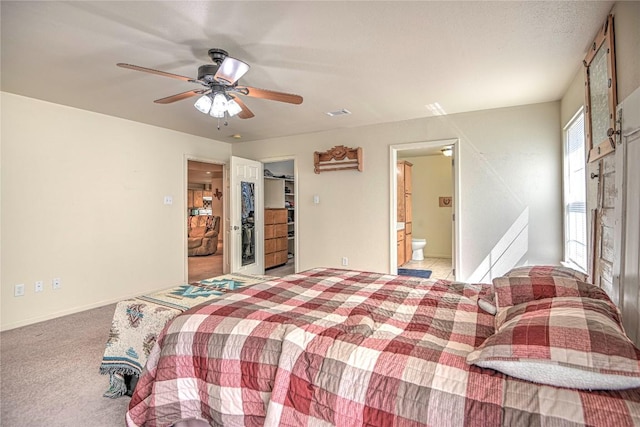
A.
x: 519, y: 289
x: 482, y: 293
x: 546, y: 270
x: 565, y: 342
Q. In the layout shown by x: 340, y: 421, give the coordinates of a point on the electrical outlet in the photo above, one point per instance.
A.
x: 56, y: 283
x: 345, y: 261
x: 39, y: 286
x: 19, y: 290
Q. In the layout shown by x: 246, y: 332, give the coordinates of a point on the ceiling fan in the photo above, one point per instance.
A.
x: 219, y: 97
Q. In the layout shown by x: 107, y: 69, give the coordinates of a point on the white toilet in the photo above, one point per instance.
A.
x: 417, y: 246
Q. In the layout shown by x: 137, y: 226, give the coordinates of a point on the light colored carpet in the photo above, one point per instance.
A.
x: 49, y: 373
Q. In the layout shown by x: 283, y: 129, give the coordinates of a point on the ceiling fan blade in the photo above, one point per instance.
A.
x: 245, y: 113
x: 231, y: 70
x: 270, y: 94
x: 179, y: 96
x: 158, y: 72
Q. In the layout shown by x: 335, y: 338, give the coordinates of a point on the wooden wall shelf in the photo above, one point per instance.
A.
x: 339, y: 158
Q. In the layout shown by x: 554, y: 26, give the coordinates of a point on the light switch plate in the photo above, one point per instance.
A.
x: 19, y: 290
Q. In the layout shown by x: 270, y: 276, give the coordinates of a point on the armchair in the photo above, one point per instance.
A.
x: 203, y: 235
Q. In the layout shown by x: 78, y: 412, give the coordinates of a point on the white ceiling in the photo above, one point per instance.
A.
x: 383, y: 61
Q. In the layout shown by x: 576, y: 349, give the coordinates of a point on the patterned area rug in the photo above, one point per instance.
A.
x: 425, y: 274
x: 138, y: 321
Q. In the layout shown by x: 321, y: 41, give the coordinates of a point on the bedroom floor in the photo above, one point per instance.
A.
x: 204, y: 267
x: 440, y: 267
x: 283, y: 270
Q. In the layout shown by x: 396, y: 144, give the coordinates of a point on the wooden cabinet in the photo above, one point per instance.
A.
x: 401, y: 247
x: 194, y: 198
x: 275, y: 237
x: 400, y: 191
x: 407, y: 242
x: 404, y: 209
x: 279, y: 193
x: 197, y: 199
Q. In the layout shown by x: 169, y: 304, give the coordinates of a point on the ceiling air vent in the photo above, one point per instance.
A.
x: 342, y: 112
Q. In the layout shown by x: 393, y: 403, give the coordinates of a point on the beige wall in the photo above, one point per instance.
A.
x: 573, y: 99
x: 432, y: 177
x: 627, y: 45
x: 82, y: 200
x: 510, y: 162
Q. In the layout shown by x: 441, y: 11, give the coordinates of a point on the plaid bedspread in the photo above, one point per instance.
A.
x: 137, y: 322
x: 347, y: 348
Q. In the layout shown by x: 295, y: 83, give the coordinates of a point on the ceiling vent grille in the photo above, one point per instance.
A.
x: 342, y: 112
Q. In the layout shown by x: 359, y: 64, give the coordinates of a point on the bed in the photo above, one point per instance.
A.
x: 350, y: 348
x: 138, y: 321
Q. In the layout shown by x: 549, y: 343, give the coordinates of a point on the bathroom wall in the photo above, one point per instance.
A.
x: 432, y: 178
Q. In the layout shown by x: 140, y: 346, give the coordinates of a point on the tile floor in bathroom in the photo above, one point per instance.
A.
x: 440, y: 267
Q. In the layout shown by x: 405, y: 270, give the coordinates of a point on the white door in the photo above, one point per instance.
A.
x: 246, y: 225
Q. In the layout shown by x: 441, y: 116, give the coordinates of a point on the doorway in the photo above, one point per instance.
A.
x: 281, y: 224
x: 205, y: 219
x: 431, y: 198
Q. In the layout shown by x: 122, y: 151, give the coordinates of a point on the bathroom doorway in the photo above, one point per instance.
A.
x: 205, y: 215
x: 431, y: 199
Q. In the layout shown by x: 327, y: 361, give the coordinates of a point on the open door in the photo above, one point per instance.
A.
x: 246, y: 216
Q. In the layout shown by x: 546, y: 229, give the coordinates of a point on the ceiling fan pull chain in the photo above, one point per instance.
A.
x: 226, y: 123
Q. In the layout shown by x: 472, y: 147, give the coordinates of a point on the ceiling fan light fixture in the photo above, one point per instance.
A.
x: 233, y: 108
x: 219, y: 79
x: 219, y: 105
x: 231, y: 70
x: 203, y: 104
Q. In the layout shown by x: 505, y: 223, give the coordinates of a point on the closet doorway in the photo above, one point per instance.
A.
x: 432, y: 200
x: 281, y: 216
x: 205, y: 215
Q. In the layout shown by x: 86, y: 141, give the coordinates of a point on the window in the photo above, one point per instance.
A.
x: 575, y: 212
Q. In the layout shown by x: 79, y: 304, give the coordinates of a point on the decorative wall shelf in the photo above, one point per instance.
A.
x: 339, y: 158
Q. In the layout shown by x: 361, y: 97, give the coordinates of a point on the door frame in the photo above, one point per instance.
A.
x: 393, y: 189
x: 185, y: 210
x: 296, y: 240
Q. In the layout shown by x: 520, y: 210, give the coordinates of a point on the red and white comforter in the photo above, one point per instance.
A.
x: 347, y: 348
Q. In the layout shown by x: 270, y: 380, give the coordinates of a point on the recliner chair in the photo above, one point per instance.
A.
x: 203, y: 235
